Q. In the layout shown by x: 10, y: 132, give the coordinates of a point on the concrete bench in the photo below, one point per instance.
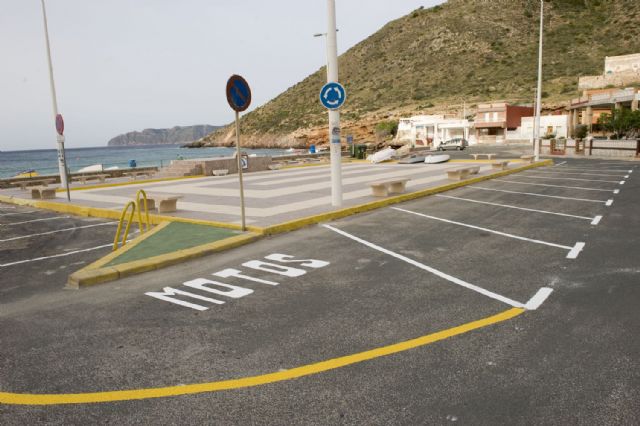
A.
x: 165, y: 203
x: 527, y: 158
x: 499, y: 165
x: 220, y: 172
x: 274, y: 166
x: 474, y: 170
x: 489, y: 156
x: 24, y: 184
x: 43, y: 192
x: 459, y: 174
x: 134, y: 175
x: 84, y: 179
x: 384, y: 188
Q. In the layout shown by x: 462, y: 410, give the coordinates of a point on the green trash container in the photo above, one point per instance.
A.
x: 361, y: 152
x: 352, y: 150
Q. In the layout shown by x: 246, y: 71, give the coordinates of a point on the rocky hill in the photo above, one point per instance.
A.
x: 433, y: 60
x: 175, y: 135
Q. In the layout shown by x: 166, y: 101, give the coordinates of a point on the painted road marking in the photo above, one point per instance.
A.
x: 542, y: 195
x: 521, y: 208
x: 616, y: 191
x: 19, y: 262
x: 233, y: 291
x: 245, y: 382
x: 572, y: 250
x: 34, y: 220
x: 424, y: 267
x: 554, y: 186
x: 17, y: 213
x: 560, y: 164
x: 566, y: 178
x: 56, y: 231
x: 596, y: 220
x: 538, y: 299
x: 609, y: 203
x: 542, y: 172
x: 600, y: 170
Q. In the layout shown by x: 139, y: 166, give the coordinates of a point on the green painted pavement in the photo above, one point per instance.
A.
x: 176, y: 236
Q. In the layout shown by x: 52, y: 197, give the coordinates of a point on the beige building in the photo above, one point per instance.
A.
x: 619, y: 71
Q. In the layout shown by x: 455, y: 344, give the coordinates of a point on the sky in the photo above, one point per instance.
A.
x: 124, y: 65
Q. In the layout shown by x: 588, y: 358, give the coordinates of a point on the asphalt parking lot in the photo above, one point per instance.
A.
x: 39, y: 249
x: 516, y: 300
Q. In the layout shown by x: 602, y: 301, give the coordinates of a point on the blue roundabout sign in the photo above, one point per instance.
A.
x: 333, y: 95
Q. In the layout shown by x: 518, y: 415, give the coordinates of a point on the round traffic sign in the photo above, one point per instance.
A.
x: 238, y: 93
x: 332, y: 95
x: 59, y: 124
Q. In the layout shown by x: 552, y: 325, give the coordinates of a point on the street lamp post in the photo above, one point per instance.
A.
x: 62, y: 165
x: 334, y: 114
x: 539, y: 90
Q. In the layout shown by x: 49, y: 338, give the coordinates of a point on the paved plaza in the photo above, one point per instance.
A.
x: 271, y: 197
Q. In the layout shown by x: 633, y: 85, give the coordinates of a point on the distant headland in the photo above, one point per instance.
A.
x: 174, y: 135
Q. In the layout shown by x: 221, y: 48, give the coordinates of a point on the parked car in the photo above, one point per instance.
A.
x: 455, y: 143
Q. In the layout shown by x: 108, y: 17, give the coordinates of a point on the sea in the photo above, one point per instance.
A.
x: 45, y: 161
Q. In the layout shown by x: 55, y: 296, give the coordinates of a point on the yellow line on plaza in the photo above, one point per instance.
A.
x: 294, y: 373
x: 133, y: 182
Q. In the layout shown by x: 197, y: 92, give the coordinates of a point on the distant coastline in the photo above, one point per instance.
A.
x: 174, y: 136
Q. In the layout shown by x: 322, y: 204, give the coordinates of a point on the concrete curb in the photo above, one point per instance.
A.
x: 90, y: 275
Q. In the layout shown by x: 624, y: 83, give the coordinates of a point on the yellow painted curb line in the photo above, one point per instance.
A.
x: 294, y: 373
x: 96, y: 273
x: 87, y: 211
x: 133, y: 182
x: 349, y: 211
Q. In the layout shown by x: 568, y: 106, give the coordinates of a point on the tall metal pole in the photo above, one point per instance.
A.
x: 62, y: 167
x: 539, y: 94
x: 238, y: 157
x: 334, y: 115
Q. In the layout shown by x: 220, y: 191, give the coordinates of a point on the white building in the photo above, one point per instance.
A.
x: 432, y: 130
x: 556, y: 126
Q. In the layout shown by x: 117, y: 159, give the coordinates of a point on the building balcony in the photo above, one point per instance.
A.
x: 481, y: 124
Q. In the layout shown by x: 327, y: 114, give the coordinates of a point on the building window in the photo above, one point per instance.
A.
x: 495, y: 116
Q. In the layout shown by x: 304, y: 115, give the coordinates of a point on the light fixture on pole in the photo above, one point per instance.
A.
x: 62, y: 164
x: 536, y: 150
x: 326, y: 50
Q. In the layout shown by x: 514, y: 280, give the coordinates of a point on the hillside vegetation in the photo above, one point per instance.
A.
x: 464, y: 50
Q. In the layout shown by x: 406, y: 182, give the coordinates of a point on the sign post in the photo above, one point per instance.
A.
x: 239, y: 98
x: 62, y: 165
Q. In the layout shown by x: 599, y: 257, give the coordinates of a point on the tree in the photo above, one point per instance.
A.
x: 621, y: 122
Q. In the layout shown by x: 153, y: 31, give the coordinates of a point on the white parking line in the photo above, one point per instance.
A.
x: 17, y: 213
x: 566, y: 178
x: 559, y: 164
x: 508, y: 206
x: 543, y: 172
x: 34, y: 220
x: 599, y: 170
x: 554, y: 186
x: 533, y: 303
x: 542, y: 195
x: 56, y: 231
x: 4, y: 265
x: 573, y: 251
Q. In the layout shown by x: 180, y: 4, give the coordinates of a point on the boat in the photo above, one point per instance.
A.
x: 92, y: 168
x: 412, y: 159
x: 380, y: 156
x: 27, y: 174
x: 435, y: 159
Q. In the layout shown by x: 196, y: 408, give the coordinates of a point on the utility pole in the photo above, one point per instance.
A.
x: 334, y: 115
x: 539, y: 93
